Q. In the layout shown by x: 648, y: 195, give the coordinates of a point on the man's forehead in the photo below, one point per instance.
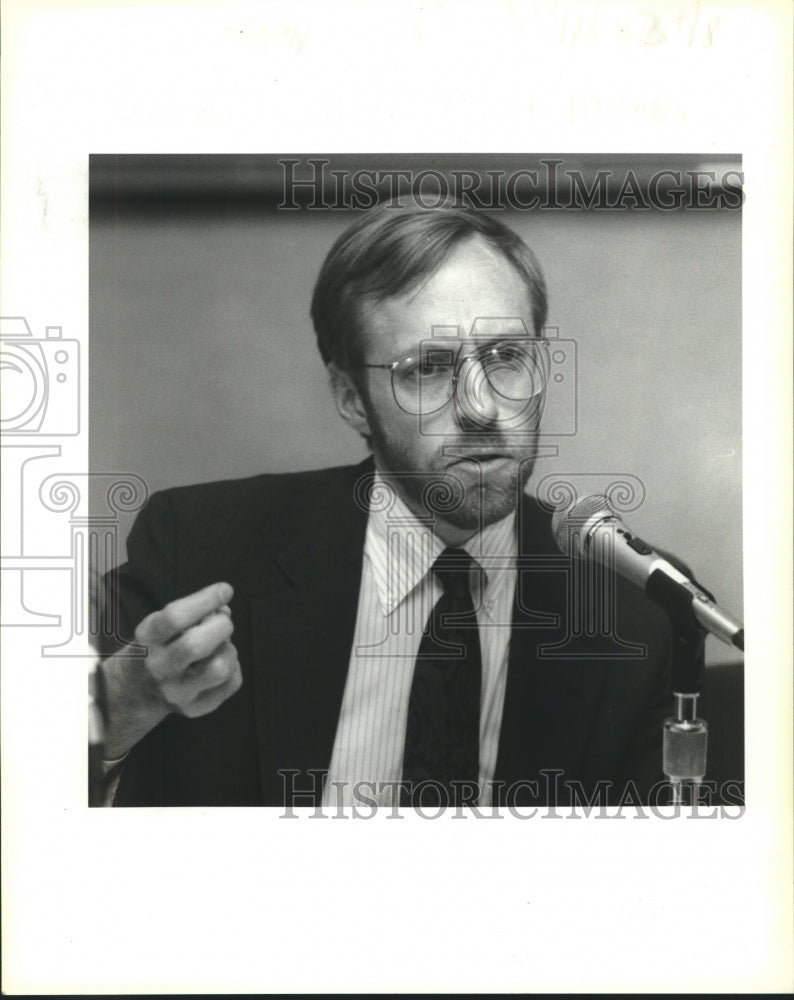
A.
x: 474, y: 292
x: 472, y: 268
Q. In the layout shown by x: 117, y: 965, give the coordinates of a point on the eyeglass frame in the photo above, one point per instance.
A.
x: 459, y: 360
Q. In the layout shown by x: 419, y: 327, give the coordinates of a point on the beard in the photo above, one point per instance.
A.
x: 468, y: 484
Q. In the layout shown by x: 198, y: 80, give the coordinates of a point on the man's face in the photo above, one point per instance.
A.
x: 474, y: 441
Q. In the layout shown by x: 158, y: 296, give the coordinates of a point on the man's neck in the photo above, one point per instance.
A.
x: 450, y: 534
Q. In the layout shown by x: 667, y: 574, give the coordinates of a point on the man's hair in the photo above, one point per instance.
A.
x: 389, y: 251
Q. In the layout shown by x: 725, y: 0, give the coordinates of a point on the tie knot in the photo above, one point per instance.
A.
x: 452, y: 568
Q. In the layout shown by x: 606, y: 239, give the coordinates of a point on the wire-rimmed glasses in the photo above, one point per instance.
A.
x: 515, y: 368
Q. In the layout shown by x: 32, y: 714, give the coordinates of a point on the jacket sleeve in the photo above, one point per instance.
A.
x: 146, y: 582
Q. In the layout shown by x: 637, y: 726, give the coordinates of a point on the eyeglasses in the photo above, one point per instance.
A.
x: 516, y: 369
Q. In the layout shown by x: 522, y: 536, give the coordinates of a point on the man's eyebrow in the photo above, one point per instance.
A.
x: 481, y: 342
x: 422, y: 346
x: 444, y: 342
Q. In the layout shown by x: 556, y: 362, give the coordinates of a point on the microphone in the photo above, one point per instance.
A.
x: 590, y: 528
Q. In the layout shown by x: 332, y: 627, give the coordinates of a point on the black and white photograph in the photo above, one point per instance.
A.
x: 396, y: 538
x: 379, y: 365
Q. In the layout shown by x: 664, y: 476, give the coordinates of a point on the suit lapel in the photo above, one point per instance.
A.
x: 302, y: 632
x: 550, y: 700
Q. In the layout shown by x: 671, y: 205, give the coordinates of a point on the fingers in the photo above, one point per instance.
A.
x: 180, y: 615
x: 208, y: 701
x: 205, y: 684
x: 190, y: 657
x: 170, y: 660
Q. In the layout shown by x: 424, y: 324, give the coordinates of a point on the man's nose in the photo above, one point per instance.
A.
x: 477, y: 403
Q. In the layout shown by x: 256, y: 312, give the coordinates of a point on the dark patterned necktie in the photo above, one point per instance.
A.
x: 442, y: 739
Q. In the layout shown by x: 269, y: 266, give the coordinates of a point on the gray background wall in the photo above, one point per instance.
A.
x: 203, y: 363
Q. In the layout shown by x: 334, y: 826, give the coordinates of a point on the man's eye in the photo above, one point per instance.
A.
x: 434, y: 364
x: 420, y: 370
x: 510, y: 353
x: 503, y: 354
x: 516, y: 350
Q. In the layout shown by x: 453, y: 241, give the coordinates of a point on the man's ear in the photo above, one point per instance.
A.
x: 348, y: 400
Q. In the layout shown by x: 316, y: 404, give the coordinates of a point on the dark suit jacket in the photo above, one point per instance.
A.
x: 587, y: 705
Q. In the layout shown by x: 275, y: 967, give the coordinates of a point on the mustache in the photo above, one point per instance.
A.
x: 486, y: 445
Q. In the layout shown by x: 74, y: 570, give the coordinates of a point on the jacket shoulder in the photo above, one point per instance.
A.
x: 262, y: 500
x: 218, y: 527
x: 254, y: 490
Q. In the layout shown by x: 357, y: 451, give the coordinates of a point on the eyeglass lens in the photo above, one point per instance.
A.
x: 515, y: 370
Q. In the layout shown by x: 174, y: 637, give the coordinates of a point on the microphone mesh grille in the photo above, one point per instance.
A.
x: 566, y: 520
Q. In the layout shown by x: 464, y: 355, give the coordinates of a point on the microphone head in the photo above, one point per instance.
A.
x: 570, y: 525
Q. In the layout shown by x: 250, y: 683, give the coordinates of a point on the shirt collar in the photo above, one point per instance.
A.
x: 401, y: 549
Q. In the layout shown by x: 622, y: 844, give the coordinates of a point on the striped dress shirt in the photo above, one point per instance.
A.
x: 398, y: 592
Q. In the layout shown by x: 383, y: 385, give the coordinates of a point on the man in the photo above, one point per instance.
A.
x: 402, y: 631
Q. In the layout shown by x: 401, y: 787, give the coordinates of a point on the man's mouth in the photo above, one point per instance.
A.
x: 484, y: 458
